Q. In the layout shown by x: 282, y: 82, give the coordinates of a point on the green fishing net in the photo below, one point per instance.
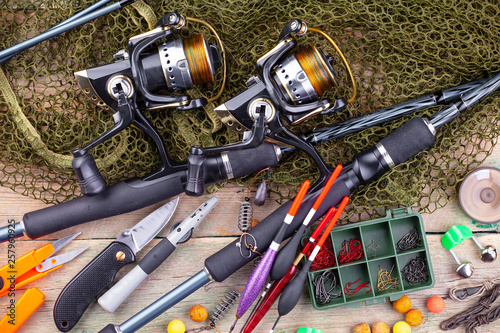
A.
x: 398, y: 50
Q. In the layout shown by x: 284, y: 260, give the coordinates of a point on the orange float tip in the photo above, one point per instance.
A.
x: 327, y: 187
x: 299, y: 197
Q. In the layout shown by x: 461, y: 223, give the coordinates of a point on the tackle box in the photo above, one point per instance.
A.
x: 386, y: 232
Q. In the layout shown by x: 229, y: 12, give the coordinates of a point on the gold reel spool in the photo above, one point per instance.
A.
x: 344, y: 60
x: 197, y: 54
x: 317, y: 71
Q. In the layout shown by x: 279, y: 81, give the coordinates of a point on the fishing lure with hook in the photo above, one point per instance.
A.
x: 245, y: 218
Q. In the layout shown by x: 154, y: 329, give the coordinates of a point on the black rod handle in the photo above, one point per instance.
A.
x: 135, y: 194
x: 117, y: 199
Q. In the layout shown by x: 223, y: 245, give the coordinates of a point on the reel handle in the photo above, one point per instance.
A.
x: 172, y: 19
x: 90, y: 179
x: 295, y: 26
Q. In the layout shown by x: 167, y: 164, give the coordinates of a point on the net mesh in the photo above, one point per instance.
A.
x: 399, y: 50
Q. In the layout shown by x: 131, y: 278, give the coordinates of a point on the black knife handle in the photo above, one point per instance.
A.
x: 89, y: 283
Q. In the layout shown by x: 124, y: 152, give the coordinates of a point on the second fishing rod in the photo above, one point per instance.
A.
x: 399, y: 146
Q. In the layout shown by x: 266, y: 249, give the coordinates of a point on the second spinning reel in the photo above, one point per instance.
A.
x: 288, y: 88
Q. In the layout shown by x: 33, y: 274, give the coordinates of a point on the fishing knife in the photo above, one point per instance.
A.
x: 100, y: 273
x: 180, y: 233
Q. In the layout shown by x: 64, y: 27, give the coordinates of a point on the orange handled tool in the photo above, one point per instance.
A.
x: 35, y: 265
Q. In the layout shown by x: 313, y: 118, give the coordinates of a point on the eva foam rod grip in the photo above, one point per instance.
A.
x: 228, y: 260
x: 135, y: 194
x: 117, y: 199
x: 408, y: 140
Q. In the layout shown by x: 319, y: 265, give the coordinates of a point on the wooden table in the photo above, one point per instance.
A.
x: 218, y: 229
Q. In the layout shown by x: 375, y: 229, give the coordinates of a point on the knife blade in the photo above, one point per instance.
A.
x: 100, y: 273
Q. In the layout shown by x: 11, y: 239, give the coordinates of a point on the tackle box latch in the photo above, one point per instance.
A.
x: 399, y: 212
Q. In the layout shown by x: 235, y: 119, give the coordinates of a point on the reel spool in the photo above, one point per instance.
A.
x: 145, y: 68
x: 479, y: 195
x: 304, y: 76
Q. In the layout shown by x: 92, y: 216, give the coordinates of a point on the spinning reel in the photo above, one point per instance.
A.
x: 134, y: 81
x: 287, y: 87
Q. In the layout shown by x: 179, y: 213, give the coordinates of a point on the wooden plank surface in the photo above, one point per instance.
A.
x: 216, y: 231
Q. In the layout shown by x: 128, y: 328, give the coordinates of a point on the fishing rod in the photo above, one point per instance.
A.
x: 123, y: 197
x: 131, y: 81
x: 391, y: 113
x: 82, y: 17
x: 405, y: 142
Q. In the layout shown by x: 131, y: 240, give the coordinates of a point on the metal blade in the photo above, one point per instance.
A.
x: 144, y: 231
x: 59, y: 260
x: 60, y: 243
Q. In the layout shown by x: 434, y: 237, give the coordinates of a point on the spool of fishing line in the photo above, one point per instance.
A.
x: 479, y: 195
x: 304, y: 76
